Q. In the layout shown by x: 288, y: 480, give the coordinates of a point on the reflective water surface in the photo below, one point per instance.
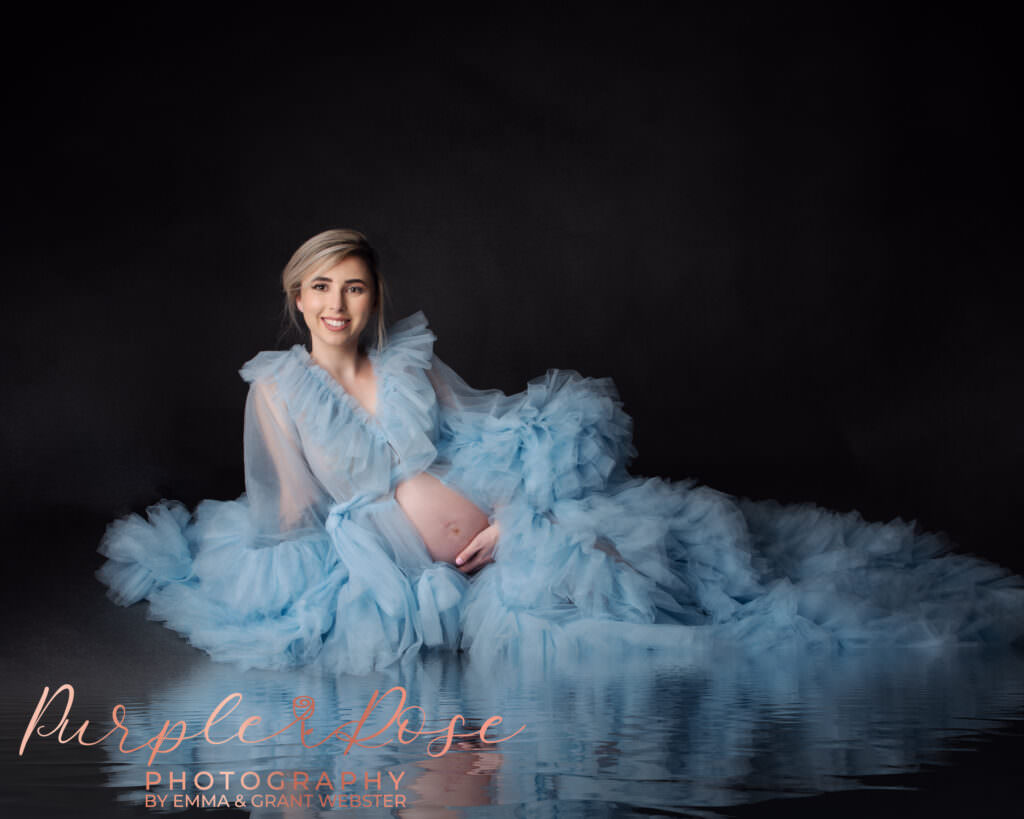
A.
x: 633, y: 738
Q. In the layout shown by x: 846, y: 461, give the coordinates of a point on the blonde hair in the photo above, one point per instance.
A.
x: 326, y: 250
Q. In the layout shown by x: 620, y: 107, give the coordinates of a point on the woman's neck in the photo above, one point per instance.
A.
x: 344, y: 363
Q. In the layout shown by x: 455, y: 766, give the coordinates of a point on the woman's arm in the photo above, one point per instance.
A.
x: 285, y: 499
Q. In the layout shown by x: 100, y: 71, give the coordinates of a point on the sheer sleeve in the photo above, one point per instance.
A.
x: 456, y: 397
x: 286, y: 501
x: 563, y: 436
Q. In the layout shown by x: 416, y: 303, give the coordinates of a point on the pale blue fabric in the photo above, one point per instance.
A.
x: 317, y: 563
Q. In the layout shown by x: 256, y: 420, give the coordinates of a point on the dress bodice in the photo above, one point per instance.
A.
x: 310, y: 445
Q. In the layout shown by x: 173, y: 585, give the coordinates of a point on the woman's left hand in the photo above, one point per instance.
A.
x: 480, y: 550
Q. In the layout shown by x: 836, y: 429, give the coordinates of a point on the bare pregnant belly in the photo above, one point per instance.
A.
x: 446, y: 520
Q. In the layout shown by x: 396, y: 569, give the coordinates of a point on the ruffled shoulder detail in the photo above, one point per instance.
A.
x: 266, y: 364
x: 410, y: 344
x: 299, y: 381
x: 406, y: 402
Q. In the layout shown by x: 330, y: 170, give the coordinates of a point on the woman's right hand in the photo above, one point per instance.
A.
x: 480, y: 550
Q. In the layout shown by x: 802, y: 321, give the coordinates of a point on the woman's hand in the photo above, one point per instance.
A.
x: 480, y: 550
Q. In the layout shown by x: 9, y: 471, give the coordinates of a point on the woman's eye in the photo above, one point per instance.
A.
x: 355, y: 288
x: 319, y: 286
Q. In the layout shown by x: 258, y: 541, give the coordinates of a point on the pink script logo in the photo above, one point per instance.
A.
x: 351, y: 733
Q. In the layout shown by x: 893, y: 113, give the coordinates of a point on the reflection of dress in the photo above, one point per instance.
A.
x: 318, y: 563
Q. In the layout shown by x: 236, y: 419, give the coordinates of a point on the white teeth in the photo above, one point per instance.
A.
x: 336, y: 325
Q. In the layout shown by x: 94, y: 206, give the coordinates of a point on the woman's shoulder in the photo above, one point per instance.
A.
x: 270, y: 365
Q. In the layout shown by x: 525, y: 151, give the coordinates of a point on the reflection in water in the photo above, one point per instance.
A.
x: 600, y: 738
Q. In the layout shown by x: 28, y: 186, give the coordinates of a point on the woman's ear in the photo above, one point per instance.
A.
x: 298, y: 303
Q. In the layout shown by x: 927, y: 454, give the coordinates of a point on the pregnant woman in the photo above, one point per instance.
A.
x: 390, y: 507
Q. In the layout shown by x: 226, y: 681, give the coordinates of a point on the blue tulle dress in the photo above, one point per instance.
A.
x: 317, y: 564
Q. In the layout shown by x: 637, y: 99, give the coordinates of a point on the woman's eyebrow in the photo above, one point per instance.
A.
x: 329, y: 280
x: 323, y: 278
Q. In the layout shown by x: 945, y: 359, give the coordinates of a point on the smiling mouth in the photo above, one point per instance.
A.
x: 337, y: 324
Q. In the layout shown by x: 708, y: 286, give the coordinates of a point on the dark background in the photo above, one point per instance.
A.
x: 788, y: 239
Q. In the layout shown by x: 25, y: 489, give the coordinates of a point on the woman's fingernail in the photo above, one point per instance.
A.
x: 459, y: 561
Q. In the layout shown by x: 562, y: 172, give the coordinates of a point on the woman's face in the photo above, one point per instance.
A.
x: 337, y: 303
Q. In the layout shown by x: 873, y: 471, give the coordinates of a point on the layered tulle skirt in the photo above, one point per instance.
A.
x: 642, y: 565
x: 682, y: 568
x: 363, y: 594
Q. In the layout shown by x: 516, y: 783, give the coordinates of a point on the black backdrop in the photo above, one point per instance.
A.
x: 786, y: 237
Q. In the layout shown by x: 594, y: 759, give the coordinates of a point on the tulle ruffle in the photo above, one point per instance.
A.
x: 562, y: 438
x: 406, y: 405
x: 144, y: 553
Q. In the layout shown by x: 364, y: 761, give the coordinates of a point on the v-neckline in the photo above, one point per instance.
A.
x: 368, y: 418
